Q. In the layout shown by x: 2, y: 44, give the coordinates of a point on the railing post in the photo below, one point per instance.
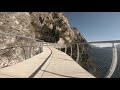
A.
x: 65, y: 48
x: 56, y: 46
x: 41, y: 46
x: 60, y: 46
x: 114, y: 61
x: 53, y: 45
x: 33, y: 51
x: 24, y: 53
x: 78, y: 54
x: 30, y: 49
x: 71, y: 51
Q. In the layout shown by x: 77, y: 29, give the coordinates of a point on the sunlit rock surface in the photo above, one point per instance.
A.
x: 48, y: 26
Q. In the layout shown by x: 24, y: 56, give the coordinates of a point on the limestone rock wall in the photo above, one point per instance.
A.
x: 18, y: 23
x: 48, y: 26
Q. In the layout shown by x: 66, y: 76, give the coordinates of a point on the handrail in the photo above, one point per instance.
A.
x: 114, y: 51
x: 11, y: 34
x: 114, y: 62
x: 110, y: 41
x: 30, y: 48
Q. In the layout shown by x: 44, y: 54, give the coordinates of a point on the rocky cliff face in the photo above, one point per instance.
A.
x: 47, y: 26
x: 18, y: 23
x: 51, y: 26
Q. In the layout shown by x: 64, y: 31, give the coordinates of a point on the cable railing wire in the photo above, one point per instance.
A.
x: 111, y: 59
x: 26, y: 47
x: 92, y: 52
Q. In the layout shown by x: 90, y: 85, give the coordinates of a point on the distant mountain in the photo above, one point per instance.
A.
x: 93, y: 46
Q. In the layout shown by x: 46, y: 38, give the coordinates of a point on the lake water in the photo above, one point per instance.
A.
x: 102, y: 58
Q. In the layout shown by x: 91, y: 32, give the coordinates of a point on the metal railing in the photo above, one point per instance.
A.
x: 25, y: 46
x: 79, y: 58
x: 29, y: 44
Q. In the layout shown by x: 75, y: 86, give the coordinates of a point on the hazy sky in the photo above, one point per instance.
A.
x: 96, y: 26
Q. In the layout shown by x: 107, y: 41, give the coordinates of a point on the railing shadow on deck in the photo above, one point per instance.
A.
x: 28, y: 45
x: 70, y: 48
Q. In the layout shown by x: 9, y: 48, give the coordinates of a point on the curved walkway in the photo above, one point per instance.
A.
x: 26, y: 68
x: 51, y: 63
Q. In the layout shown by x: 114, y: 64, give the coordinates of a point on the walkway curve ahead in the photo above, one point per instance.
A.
x: 46, y: 65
